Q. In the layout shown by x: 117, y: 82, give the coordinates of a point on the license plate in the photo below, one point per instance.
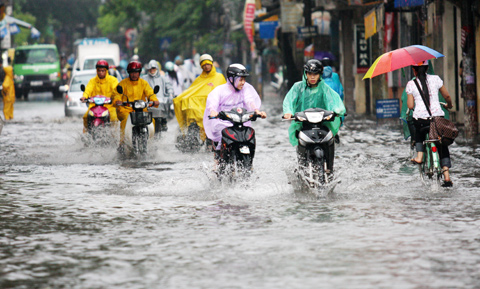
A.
x: 245, y: 150
x: 36, y: 83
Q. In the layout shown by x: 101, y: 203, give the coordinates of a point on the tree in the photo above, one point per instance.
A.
x: 60, y: 21
x: 190, y: 24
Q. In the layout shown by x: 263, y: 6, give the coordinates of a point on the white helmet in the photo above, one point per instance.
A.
x: 206, y: 57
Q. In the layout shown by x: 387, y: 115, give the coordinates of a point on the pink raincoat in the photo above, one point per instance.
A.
x: 225, y: 97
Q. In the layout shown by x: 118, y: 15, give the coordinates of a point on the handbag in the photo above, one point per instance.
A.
x: 440, y: 128
x: 443, y: 130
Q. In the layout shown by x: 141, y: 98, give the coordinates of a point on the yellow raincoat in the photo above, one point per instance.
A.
x: 106, y: 87
x: 190, y: 105
x: 132, y: 90
x: 8, y: 93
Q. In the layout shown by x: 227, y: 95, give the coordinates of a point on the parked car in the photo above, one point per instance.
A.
x: 73, y: 105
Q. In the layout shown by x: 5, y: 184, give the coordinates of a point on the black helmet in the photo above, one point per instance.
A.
x: 313, y: 66
x: 236, y: 69
x: 326, y: 61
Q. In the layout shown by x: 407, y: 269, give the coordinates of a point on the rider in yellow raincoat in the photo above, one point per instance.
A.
x: 190, y: 105
x: 102, y: 84
x: 8, y: 92
x: 134, y: 88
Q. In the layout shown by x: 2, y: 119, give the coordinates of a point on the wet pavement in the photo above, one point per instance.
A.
x: 77, y: 216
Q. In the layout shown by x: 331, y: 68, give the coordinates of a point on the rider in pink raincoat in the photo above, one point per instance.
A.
x: 235, y: 93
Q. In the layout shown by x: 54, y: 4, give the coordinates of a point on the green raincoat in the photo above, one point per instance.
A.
x: 301, y: 97
x: 406, y: 118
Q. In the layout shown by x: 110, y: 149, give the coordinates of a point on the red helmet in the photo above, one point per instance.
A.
x: 134, y: 66
x: 102, y: 64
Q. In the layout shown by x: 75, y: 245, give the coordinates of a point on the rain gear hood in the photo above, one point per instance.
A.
x: 164, y: 95
x: 224, y: 98
x: 190, y: 105
x: 301, y: 97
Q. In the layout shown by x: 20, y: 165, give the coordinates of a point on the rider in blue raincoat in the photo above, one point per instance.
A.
x: 331, y: 78
x: 312, y: 92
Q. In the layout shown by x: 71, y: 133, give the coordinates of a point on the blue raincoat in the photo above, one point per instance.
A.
x: 333, y: 80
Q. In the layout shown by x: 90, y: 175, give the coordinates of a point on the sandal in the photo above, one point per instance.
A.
x: 415, y: 162
x: 447, y: 184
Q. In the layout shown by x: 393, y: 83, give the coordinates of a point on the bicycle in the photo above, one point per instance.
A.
x: 430, y: 167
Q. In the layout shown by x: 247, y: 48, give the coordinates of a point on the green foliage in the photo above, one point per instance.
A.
x: 59, y: 17
x: 190, y: 24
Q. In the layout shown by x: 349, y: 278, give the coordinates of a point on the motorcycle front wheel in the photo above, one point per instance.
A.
x: 139, y: 142
x: 315, y: 172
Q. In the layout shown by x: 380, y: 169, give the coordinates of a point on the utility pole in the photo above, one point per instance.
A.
x: 307, y: 15
x: 468, y: 49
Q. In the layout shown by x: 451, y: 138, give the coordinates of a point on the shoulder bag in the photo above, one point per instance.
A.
x: 440, y: 128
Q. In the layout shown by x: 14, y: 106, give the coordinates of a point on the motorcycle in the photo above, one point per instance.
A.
x: 238, y: 143
x: 139, y: 127
x: 98, y: 116
x: 314, y: 142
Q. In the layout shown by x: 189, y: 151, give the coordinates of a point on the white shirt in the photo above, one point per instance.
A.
x: 434, y: 83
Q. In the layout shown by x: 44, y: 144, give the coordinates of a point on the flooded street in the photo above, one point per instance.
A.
x: 74, y: 216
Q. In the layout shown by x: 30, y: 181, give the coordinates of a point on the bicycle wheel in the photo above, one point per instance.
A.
x: 437, y: 169
x: 426, y: 169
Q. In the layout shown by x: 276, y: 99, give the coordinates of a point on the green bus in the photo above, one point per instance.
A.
x: 37, y: 68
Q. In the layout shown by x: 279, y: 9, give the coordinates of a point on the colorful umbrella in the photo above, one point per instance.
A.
x: 401, y: 57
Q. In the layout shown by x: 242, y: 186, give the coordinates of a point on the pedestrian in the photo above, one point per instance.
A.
x: 424, y: 108
x: 8, y: 91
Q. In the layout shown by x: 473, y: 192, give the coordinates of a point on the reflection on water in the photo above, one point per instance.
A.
x: 79, y: 217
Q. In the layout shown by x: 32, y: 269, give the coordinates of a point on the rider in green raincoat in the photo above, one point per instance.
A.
x: 311, y: 92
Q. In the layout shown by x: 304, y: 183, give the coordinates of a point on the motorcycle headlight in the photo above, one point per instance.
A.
x: 105, y: 113
x: 245, y: 117
x: 18, y: 78
x: 314, y: 117
x: 235, y: 117
x: 139, y: 104
x: 90, y: 113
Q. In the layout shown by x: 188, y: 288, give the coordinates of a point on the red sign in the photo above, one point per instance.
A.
x: 249, y: 15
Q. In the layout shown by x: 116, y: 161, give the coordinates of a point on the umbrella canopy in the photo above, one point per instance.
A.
x: 401, y: 57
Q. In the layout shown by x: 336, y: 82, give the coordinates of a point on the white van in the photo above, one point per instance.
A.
x: 89, y: 55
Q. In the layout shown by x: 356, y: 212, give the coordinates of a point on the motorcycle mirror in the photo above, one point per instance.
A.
x: 82, y: 87
x: 119, y: 89
x: 156, y: 89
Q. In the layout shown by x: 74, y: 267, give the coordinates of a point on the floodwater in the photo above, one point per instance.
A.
x: 74, y: 216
